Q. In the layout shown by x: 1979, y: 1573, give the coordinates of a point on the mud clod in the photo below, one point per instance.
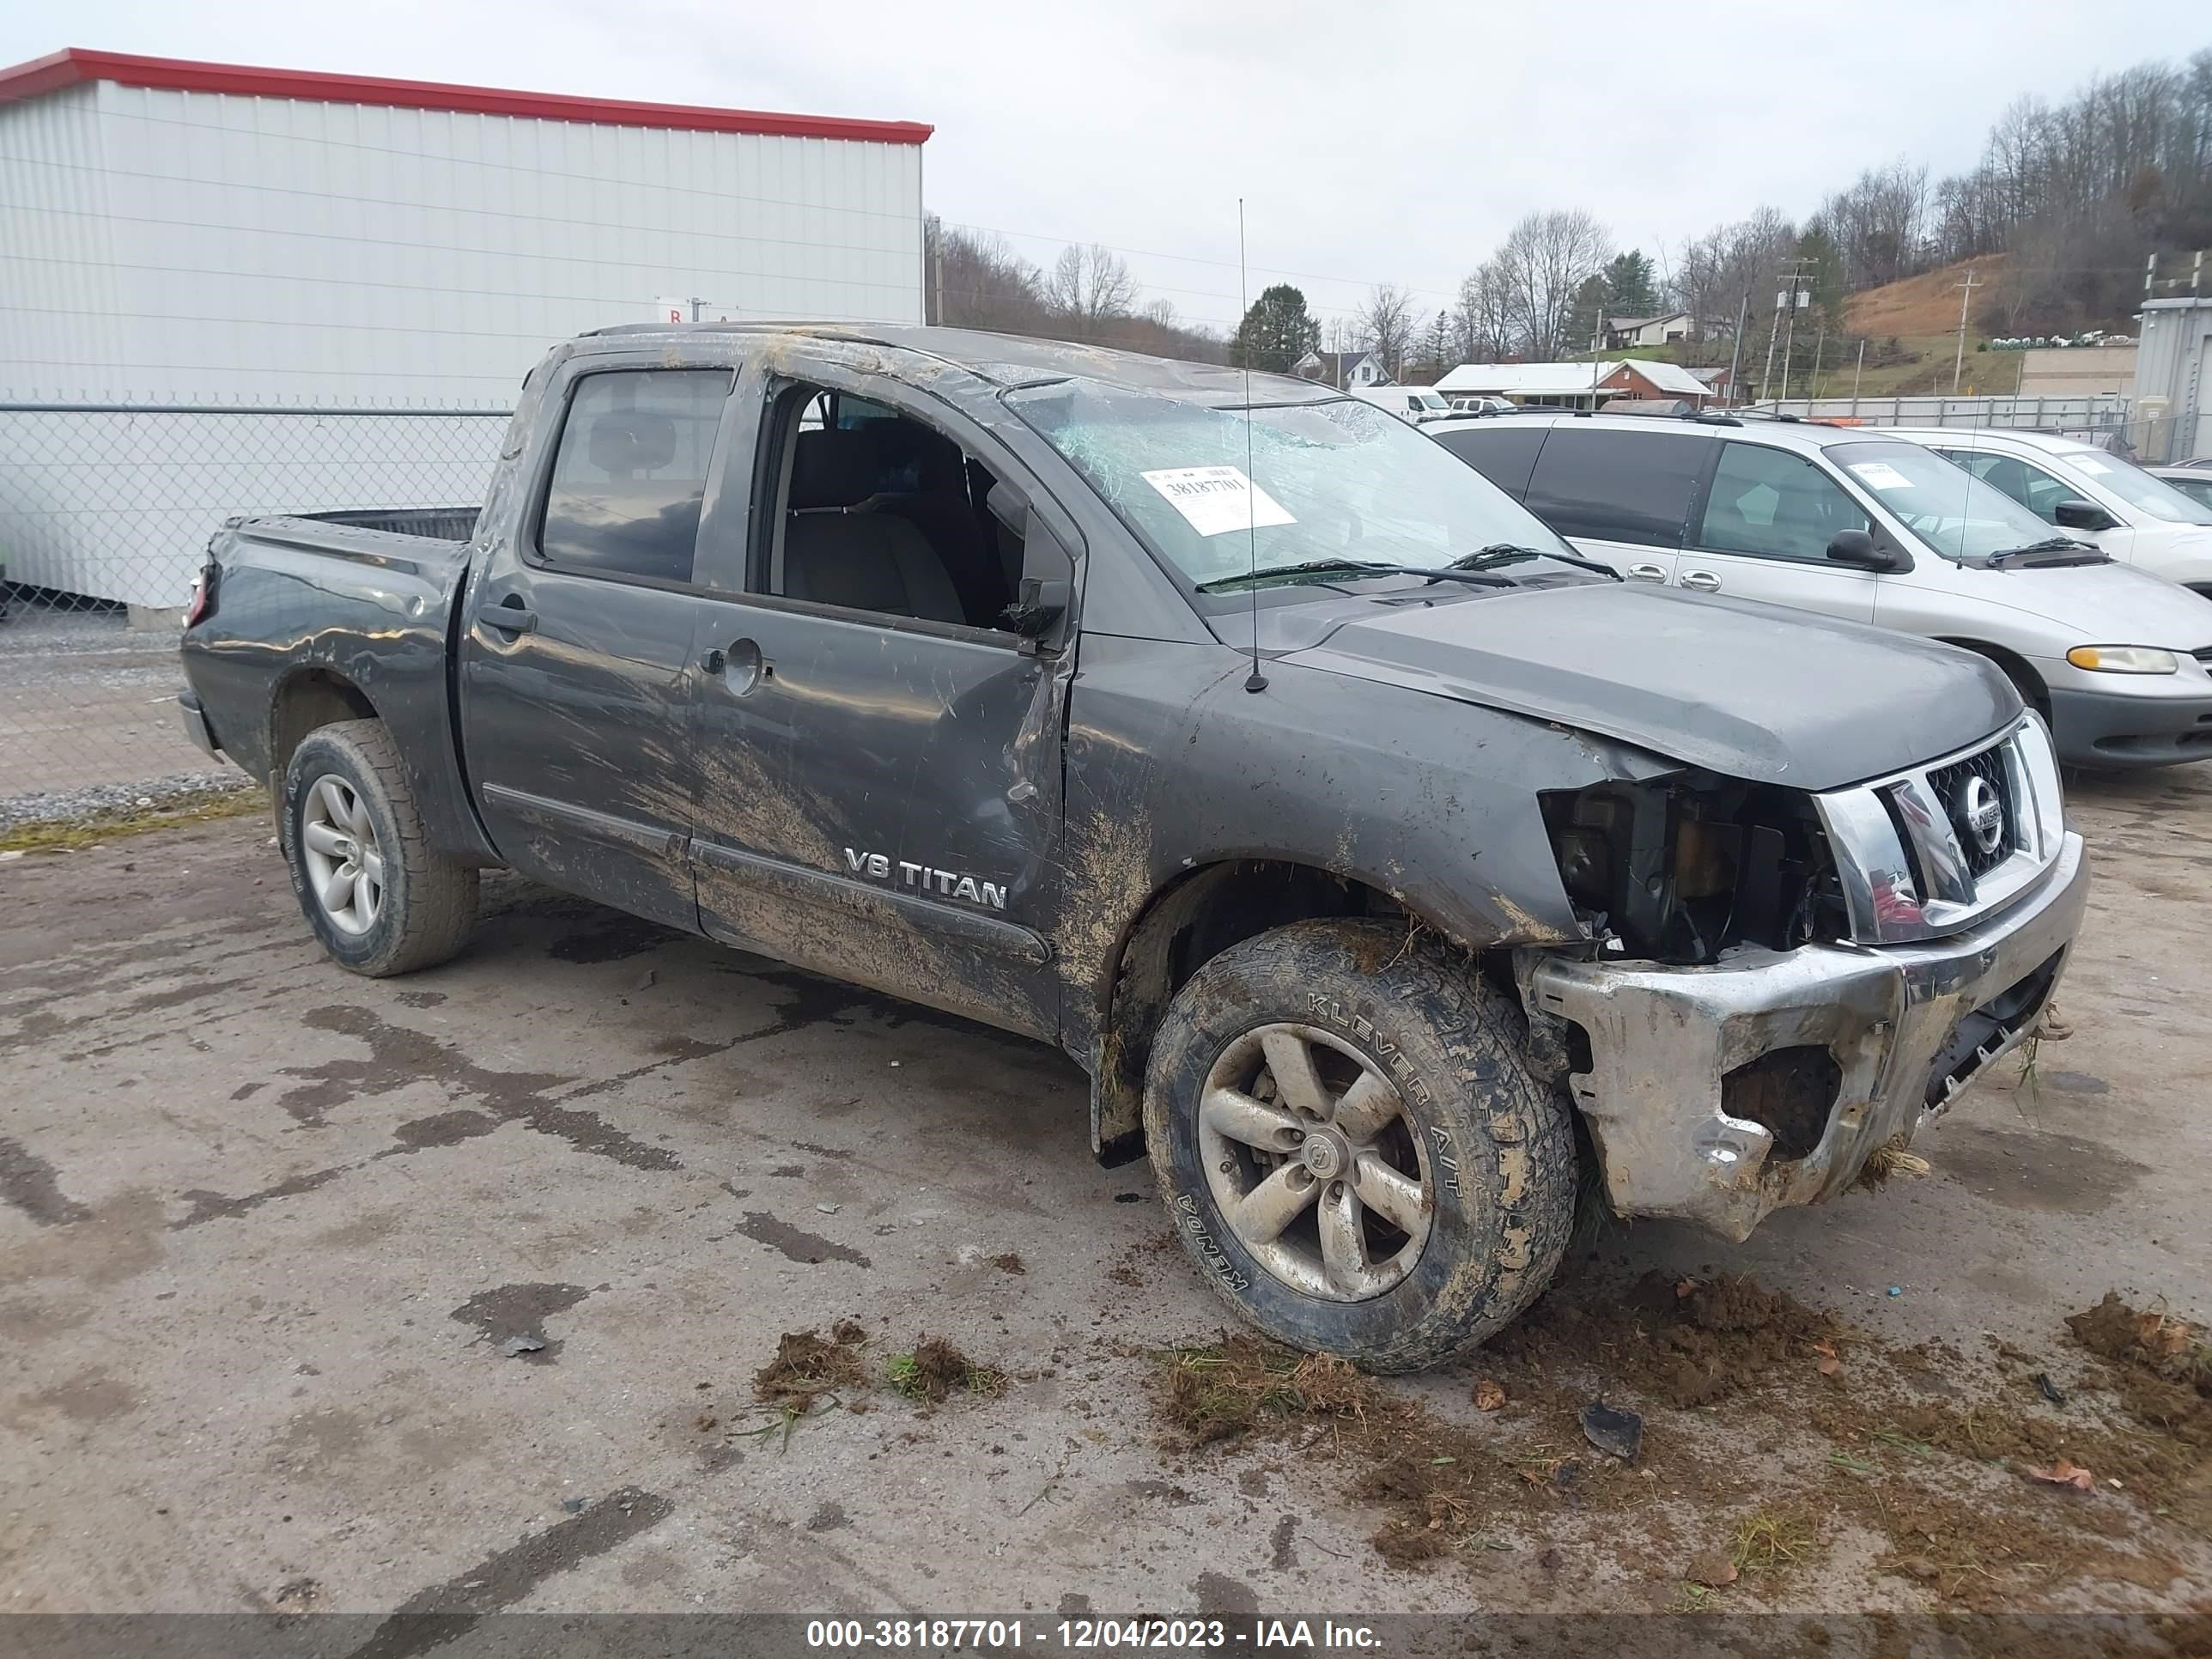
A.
x: 2159, y: 1366
x: 936, y: 1370
x: 808, y: 1364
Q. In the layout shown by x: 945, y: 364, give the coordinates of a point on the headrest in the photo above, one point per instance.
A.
x: 830, y: 468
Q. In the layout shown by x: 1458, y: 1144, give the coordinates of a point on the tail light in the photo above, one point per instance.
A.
x: 203, y: 598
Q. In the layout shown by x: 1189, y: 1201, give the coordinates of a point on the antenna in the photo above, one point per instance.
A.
x: 1255, y: 681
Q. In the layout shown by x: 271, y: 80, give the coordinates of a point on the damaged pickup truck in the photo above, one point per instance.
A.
x: 1386, y: 864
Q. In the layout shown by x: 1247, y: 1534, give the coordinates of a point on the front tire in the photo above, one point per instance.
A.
x: 381, y: 898
x: 1351, y: 1147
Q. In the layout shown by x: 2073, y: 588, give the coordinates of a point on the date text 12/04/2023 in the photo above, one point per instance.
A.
x: 1083, y: 1635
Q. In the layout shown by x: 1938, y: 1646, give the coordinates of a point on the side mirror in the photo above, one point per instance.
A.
x: 1040, y: 604
x: 2075, y: 514
x: 1857, y: 548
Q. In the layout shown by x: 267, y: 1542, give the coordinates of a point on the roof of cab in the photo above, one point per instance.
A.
x: 1014, y: 360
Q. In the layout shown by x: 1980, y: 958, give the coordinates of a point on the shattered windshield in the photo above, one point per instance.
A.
x: 1955, y: 513
x: 1221, y: 492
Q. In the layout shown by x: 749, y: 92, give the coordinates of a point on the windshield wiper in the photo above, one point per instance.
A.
x: 1498, y: 553
x: 1356, y: 568
x: 2095, y: 554
x: 1310, y: 566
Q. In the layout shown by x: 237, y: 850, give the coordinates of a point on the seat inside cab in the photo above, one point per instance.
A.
x: 883, y: 514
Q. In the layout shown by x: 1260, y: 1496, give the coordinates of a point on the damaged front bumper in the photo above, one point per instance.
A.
x: 1717, y: 1094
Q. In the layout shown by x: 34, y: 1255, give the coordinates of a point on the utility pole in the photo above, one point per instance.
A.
x: 1784, y: 298
x: 1735, y: 346
x: 937, y: 278
x: 1858, y: 374
x: 1958, y: 364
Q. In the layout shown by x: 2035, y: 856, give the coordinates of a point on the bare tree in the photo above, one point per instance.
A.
x: 1482, y: 327
x: 976, y: 281
x: 1385, y: 326
x: 1090, y: 288
x: 1545, y: 260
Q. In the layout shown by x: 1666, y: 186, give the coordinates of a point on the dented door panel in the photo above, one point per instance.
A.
x: 878, y: 800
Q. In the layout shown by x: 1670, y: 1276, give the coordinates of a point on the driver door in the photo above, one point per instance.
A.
x: 877, y: 760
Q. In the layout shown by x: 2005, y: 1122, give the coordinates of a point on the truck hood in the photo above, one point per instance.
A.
x: 1744, y: 690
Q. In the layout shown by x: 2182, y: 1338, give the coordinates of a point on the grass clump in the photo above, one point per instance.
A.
x: 936, y: 1370
x: 1226, y: 1389
x: 1768, y: 1542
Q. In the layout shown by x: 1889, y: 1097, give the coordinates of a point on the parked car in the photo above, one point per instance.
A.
x: 1482, y: 405
x: 2194, y: 482
x: 2089, y: 493
x: 1378, y: 839
x: 1415, y: 404
x: 1866, y: 527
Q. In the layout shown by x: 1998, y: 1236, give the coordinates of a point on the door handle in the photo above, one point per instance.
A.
x: 740, y: 668
x: 508, y: 618
x: 1703, y: 580
x: 1647, y: 573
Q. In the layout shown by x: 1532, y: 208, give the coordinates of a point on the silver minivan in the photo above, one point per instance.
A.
x: 1874, y: 529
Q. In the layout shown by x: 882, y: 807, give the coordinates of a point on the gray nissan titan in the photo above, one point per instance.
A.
x: 1385, y: 863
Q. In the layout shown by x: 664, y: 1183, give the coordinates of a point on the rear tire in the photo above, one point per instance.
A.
x: 380, y: 899
x: 1405, y: 1034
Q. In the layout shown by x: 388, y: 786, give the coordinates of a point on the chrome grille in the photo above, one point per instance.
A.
x: 1933, y: 850
x: 1976, y: 795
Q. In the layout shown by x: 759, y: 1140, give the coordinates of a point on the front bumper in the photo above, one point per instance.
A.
x: 2111, y: 732
x: 1903, y: 1028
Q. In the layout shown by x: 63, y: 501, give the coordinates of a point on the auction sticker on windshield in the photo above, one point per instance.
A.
x: 1216, y: 500
x: 1880, y: 475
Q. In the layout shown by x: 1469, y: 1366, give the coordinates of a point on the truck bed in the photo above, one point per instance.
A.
x: 356, y: 608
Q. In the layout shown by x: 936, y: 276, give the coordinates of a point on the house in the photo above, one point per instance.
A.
x: 1566, y: 386
x: 1720, y: 382
x: 1346, y: 370
x: 1623, y: 332
x: 1638, y: 379
x: 1620, y: 331
x: 1575, y: 385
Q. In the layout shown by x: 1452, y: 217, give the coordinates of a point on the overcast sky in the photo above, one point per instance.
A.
x: 1375, y: 141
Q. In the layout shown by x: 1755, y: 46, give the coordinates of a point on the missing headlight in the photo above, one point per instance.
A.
x: 1682, y: 868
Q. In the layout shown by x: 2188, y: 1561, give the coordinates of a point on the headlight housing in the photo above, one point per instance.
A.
x: 2123, y: 659
x: 1681, y: 867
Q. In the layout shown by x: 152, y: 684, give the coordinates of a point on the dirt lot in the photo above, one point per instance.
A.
x: 452, y: 1292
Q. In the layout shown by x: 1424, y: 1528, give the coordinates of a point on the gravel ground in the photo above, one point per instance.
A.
x: 87, y: 715
x: 100, y: 800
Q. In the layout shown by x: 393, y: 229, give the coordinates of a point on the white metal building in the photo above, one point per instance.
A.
x: 182, y: 234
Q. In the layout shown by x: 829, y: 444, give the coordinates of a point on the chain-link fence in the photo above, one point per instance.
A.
x: 105, y: 512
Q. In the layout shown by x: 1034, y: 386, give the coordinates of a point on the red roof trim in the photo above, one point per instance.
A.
x: 74, y: 65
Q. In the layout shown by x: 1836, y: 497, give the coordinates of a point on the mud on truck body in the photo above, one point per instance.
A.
x: 1384, y: 864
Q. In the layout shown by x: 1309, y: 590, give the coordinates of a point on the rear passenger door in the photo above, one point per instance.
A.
x: 1623, y: 497
x: 1768, y: 517
x: 574, y: 688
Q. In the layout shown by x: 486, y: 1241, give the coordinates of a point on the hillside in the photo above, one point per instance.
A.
x: 1926, y: 304
x: 1921, y: 314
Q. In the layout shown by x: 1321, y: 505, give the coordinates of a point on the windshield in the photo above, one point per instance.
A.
x: 1430, y: 400
x: 2136, y: 486
x: 1955, y: 513
x: 1335, y: 481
